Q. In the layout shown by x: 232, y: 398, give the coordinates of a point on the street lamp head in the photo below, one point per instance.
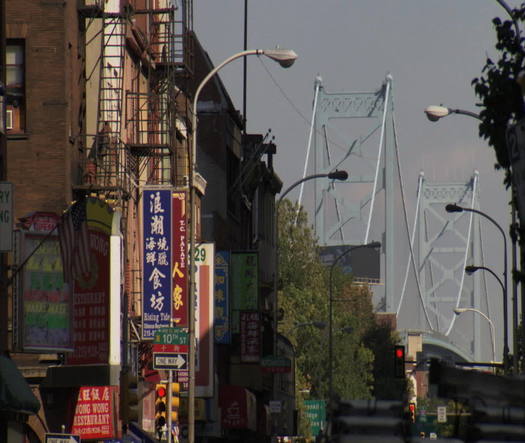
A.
x: 458, y: 311
x: 471, y: 269
x: 338, y: 175
x: 374, y: 245
x: 434, y: 113
x: 285, y: 57
x: 452, y: 207
x: 319, y: 324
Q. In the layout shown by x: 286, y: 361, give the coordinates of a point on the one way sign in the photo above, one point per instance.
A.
x: 177, y: 362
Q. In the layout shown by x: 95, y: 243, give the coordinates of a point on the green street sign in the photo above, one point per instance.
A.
x: 171, y: 336
x: 315, y: 411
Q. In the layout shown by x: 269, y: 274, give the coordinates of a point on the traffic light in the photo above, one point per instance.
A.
x: 412, y: 412
x: 399, y: 361
x: 175, y: 401
x: 129, y: 398
x: 161, y: 400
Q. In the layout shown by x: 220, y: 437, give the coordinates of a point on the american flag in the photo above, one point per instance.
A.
x: 74, y: 242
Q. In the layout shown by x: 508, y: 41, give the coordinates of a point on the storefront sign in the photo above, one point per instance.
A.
x: 95, y: 412
x: 157, y: 261
x: 250, y: 336
x: 222, y: 298
x: 180, y: 271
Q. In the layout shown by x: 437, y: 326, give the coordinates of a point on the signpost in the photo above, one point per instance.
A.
x: 170, y: 349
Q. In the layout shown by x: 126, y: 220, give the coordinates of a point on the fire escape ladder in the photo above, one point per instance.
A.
x: 112, y: 163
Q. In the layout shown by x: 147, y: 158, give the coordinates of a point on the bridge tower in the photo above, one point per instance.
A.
x: 370, y: 160
x: 446, y: 244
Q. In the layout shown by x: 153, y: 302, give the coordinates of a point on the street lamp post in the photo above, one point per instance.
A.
x: 330, y: 312
x: 285, y: 57
x: 456, y: 208
x: 459, y: 311
x: 335, y: 175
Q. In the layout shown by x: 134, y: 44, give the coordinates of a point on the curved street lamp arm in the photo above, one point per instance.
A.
x: 496, y: 276
x: 464, y: 112
x: 486, y: 317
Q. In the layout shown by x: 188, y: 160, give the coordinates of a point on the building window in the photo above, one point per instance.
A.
x: 15, y: 86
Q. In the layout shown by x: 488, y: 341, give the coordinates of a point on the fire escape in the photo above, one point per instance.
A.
x: 139, y: 136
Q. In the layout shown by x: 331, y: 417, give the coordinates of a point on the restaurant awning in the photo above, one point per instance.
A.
x: 15, y: 393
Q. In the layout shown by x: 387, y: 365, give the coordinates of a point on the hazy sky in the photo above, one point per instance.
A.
x: 432, y: 48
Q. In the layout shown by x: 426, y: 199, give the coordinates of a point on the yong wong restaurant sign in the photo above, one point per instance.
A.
x: 95, y: 412
x: 157, y: 261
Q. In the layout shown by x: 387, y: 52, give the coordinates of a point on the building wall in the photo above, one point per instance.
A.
x: 39, y: 158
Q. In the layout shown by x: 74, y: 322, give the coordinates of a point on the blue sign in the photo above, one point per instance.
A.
x: 221, y: 297
x: 156, y: 264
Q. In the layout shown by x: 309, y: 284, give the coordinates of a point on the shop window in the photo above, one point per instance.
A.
x: 15, y: 86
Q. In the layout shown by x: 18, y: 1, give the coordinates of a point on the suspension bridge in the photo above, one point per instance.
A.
x: 423, y: 257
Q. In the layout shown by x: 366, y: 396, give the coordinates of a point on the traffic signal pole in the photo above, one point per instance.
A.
x: 170, y: 400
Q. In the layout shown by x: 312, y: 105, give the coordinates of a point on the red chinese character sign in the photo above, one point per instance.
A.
x: 250, y: 336
x: 179, y: 251
x: 95, y: 412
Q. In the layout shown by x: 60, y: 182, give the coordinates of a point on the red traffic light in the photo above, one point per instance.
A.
x: 400, y: 352
x: 161, y: 391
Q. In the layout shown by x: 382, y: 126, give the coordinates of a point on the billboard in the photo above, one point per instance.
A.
x: 91, y: 292
x: 204, y: 259
x: 156, y: 260
x: 362, y: 263
x: 44, y: 308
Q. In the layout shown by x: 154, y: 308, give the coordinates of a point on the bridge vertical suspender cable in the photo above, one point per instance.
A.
x: 381, y: 143
x: 316, y: 94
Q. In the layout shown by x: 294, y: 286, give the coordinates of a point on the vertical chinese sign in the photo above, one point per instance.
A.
x: 222, y: 302
x: 180, y: 271
x: 250, y: 337
x: 245, y: 284
x: 91, y: 294
x: 157, y: 259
